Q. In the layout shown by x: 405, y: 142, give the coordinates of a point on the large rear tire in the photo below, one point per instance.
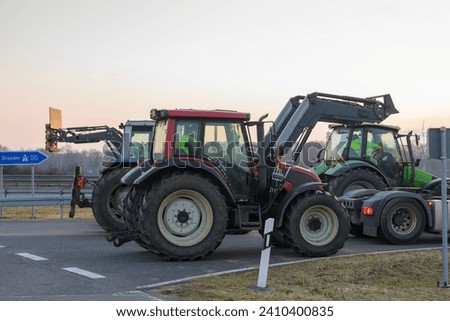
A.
x: 131, y: 212
x: 108, y: 199
x: 358, y: 178
x: 316, y: 225
x: 183, y: 217
x: 402, y: 221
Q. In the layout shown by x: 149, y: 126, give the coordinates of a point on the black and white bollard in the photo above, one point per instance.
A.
x: 265, y: 256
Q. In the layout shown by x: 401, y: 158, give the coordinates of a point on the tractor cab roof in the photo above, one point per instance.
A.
x: 159, y: 114
x: 384, y: 126
x: 138, y: 123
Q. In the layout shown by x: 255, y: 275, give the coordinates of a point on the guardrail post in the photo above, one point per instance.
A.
x: 33, y: 213
x: 61, y: 208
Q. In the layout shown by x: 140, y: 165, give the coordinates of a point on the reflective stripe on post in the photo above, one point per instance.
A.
x: 265, y: 255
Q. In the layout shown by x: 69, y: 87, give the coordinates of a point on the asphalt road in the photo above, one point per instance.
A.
x: 71, y: 260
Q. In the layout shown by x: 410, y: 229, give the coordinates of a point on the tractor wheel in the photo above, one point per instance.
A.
x: 354, y: 179
x: 402, y: 221
x: 316, y: 225
x: 131, y: 206
x: 131, y: 212
x: 277, y: 239
x: 108, y: 199
x: 183, y: 217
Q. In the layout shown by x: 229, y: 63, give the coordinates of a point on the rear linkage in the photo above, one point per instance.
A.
x: 120, y: 238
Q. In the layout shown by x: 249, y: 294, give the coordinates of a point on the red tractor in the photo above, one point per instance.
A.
x: 205, y: 178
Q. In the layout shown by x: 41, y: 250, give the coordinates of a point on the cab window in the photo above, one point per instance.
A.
x: 187, y: 138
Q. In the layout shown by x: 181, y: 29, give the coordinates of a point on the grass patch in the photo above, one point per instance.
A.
x: 409, y: 276
x: 45, y: 213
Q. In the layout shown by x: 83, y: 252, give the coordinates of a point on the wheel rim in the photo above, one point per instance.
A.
x: 319, y: 225
x: 403, y: 220
x: 117, y: 202
x: 185, y: 218
x: 358, y: 185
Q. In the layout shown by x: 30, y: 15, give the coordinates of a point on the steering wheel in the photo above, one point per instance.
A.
x: 213, y: 149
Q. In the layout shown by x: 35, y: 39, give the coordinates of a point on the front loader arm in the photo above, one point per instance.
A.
x: 83, y: 135
x: 88, y: 134
x: 301, y: 113
x: 55, y: 133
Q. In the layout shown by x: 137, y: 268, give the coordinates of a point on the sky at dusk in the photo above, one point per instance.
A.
x: 104, y: 62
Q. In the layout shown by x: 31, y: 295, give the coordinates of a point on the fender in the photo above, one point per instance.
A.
x: 107, y: 166
x: 378, y: 203
x: 135, y: 172
x: 346, y: 166
x: 290, y: 196
x: 434, y: 186
x: 194, y: 164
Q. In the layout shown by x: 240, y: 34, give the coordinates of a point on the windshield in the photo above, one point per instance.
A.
x: 386, y: 140
x: 141, y: 139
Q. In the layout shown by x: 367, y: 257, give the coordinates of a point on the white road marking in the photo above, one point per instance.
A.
x: 2, y: 246
x: 85, y: 273
x: 32, y: 257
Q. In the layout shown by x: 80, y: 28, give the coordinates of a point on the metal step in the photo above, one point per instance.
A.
x: 249, y: 217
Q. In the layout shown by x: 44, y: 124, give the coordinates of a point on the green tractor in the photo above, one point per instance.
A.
x: 369, y: 156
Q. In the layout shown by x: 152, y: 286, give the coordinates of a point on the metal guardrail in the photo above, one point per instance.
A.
x: 25, y: 181
x: 21, y: 197
x: 45, y: 190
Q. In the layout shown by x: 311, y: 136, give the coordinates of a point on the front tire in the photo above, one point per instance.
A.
x: 108, y: 200
x: 183, y: 217
x: 316, y: 225
x: 354, y: 179
x: 402, y: 221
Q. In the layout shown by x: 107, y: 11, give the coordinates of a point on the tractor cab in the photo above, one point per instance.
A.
x: 372, y: 144
x: 137, y: 140
x: 378, y: 148
x: 132, y: 149
x: 216, y: 140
